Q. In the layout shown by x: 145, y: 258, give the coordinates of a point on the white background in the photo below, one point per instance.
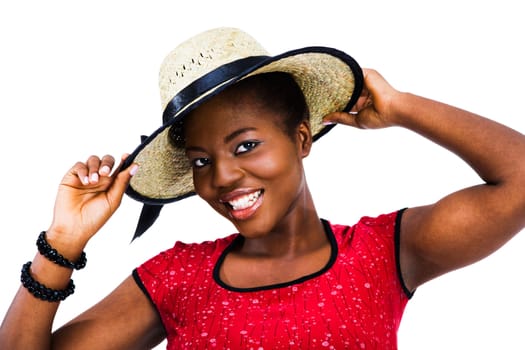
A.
x: 78, y: 78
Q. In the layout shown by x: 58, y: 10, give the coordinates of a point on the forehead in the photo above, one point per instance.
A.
x: 230, y: 109
x: 221, y: 114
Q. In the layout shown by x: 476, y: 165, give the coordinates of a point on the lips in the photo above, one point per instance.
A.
x: 245, y: 201
x: 243, y: 205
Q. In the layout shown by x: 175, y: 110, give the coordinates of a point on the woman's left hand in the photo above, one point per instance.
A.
x: 374, y: 108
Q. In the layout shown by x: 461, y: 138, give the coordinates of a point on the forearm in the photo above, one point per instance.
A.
x: 29, y: 320
x: 88, y: 195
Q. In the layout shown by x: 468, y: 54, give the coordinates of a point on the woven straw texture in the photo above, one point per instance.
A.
x: 326, y: 80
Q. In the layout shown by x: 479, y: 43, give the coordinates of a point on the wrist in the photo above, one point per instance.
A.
x: 48, y: 278
x: 400, y: 108
x: 45, y: 249
x: 67, y: 244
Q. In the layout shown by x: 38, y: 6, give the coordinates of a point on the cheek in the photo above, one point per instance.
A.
x: 199, y: 181
x: 275, y: 167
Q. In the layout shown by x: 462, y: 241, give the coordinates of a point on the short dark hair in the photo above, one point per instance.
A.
x: 276, y: 91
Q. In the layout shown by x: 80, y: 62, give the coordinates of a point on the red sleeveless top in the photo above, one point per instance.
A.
x: 355, y: 302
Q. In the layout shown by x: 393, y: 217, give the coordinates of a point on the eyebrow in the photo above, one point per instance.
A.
x: 227, y: 138
x: 238, y: 132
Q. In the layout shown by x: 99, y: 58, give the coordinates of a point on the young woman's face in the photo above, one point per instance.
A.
x: 244, y: 163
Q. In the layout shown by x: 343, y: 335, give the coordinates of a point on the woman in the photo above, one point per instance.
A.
x: 288, y: 279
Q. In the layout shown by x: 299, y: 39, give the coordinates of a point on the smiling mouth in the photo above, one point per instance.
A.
x: 245, y: 201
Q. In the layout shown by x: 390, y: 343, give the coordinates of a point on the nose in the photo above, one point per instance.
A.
x: 226, y: 172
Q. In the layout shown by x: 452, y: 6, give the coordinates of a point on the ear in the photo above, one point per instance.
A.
x: 304, y: 138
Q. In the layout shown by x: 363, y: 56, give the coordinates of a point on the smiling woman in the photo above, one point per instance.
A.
x: 247, y: 148
x: 237, y: 126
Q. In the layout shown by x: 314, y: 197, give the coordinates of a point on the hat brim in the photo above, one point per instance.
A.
x: 330, y: 80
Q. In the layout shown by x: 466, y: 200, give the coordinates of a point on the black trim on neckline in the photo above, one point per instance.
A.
x: 333, y: 257
x: 397, y: 243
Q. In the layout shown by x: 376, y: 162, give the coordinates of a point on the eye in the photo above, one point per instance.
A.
x: 200, y: 162
x: 246, y: 147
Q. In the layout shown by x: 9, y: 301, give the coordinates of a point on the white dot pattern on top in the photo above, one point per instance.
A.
x: 354, y: 303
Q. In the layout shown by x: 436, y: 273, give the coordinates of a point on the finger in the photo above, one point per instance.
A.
x: 93, y: 165
x: 131, y: 169
x: 120, y: 183
x: 81, y: 172
x: 120, y: 165
x: 106, y: 164
x: 342, y: 118
x: 364, y: 101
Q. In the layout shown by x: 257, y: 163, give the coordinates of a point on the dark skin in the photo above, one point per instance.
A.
x: 458, y: 230
x: 250, y: 152
x: 470, y: 224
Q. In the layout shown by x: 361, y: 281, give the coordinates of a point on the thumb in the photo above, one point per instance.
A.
x: 120, y: 184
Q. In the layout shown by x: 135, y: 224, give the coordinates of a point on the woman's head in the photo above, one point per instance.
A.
x: 246, y: 146
x: 208, y: 64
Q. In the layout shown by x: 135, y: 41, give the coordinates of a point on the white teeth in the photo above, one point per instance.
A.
x: 245, y: 201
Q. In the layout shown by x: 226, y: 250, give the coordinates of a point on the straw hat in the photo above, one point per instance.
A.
x: 206, y: 64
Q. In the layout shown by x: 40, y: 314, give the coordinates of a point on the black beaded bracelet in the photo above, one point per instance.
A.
x: 42, y: 292
x: 49, y: 252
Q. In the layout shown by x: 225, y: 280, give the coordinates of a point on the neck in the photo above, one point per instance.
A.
x: 299, y: 232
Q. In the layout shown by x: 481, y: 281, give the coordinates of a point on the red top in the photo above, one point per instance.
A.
x: 355, y: 302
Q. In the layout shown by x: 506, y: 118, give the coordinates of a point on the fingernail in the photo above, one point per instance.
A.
x: 94, y: 177
x: 133, y: 169
x: 104, y: 170
x: 328, y: 122
x: 85, y: 180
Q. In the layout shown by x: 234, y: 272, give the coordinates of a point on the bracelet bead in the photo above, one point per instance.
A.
x: 53, y: 255
x: 42, y: 292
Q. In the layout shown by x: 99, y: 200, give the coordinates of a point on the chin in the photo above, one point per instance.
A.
x: 249, y: 230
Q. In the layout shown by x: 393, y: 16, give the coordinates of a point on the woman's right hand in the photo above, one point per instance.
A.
x: 87, y: 197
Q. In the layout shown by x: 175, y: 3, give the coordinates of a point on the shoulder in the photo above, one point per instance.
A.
x: 206, y: 247
x: 375, y: 242
x: 183, y: 254
x: 383, y: 225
